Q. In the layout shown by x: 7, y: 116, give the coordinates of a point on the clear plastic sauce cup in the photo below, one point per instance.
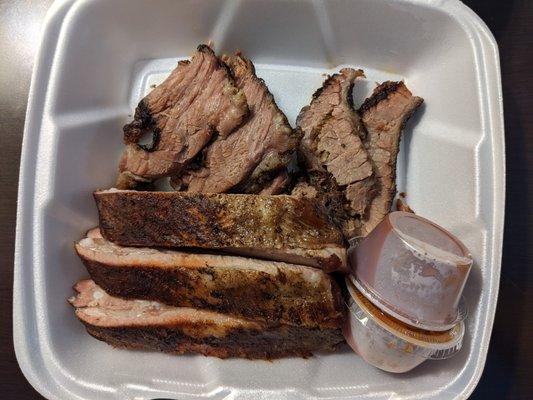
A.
x: 391, y: 345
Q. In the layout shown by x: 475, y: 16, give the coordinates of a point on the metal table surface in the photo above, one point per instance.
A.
x: 509, y: 366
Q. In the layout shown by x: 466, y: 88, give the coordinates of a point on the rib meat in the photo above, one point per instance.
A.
x: 198, y: 100
x: 252, y: 155
x: 384, y: 115
x: 141, y: 324
x: 281, y: 228
x: 337, y: 163
x: 272, y: 292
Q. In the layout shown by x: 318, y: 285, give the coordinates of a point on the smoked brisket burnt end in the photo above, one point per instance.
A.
x: 253, y: 155
x: 269, y: 291
x: 336, y: 162
x: 384, y: 115
x: 139, y: 324
x: 197, y: 101
x: 280, y: 228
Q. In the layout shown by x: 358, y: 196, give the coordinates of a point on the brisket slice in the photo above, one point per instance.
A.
x: 141, y: 324
x: 384, y: 115
x: 198, y: 100
x: 338, y: 165
x: 251, y: 156
x: 281, y: 228
x: 272, y: 292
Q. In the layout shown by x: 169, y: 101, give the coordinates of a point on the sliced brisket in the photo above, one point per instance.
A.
x: 384, y: 115
x: 141, y: 324
x: 272, y: 292
x: 281, y: 228
x: 197, y: 100
x: 252, y: 155
x: 337, y: 163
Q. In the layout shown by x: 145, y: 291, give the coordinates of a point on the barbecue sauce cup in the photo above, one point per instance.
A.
x: 389, y: 344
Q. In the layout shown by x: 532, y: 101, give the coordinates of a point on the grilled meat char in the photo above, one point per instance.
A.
x: 198, y: 100
x: 150, y: 325
x: 384, y: 115
x: 337, y: 164
x: 401, y: 205
x: 268, y: 291
x: 280, y: 228
x: 247, y: 160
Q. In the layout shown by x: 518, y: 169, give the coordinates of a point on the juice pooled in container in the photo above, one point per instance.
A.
x: 413, y: 270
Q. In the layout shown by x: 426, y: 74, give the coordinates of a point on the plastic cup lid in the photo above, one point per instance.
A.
x: 430, y: 239
x: 428, y: 249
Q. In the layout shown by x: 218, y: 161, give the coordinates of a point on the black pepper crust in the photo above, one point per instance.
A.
x: 253, y: 343
x: 380, y: 93
x: 142, y: 122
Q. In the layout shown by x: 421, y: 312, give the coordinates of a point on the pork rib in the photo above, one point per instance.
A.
x: 141, y: 324
x: 280, y: 228
x: 272, y: 292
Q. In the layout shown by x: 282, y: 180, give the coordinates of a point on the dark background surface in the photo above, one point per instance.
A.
x: 509, y: 370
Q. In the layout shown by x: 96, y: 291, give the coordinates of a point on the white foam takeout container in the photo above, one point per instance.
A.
x: 97, y: 58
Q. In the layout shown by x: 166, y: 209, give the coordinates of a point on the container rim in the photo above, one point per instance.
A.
x: 31, y: 355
